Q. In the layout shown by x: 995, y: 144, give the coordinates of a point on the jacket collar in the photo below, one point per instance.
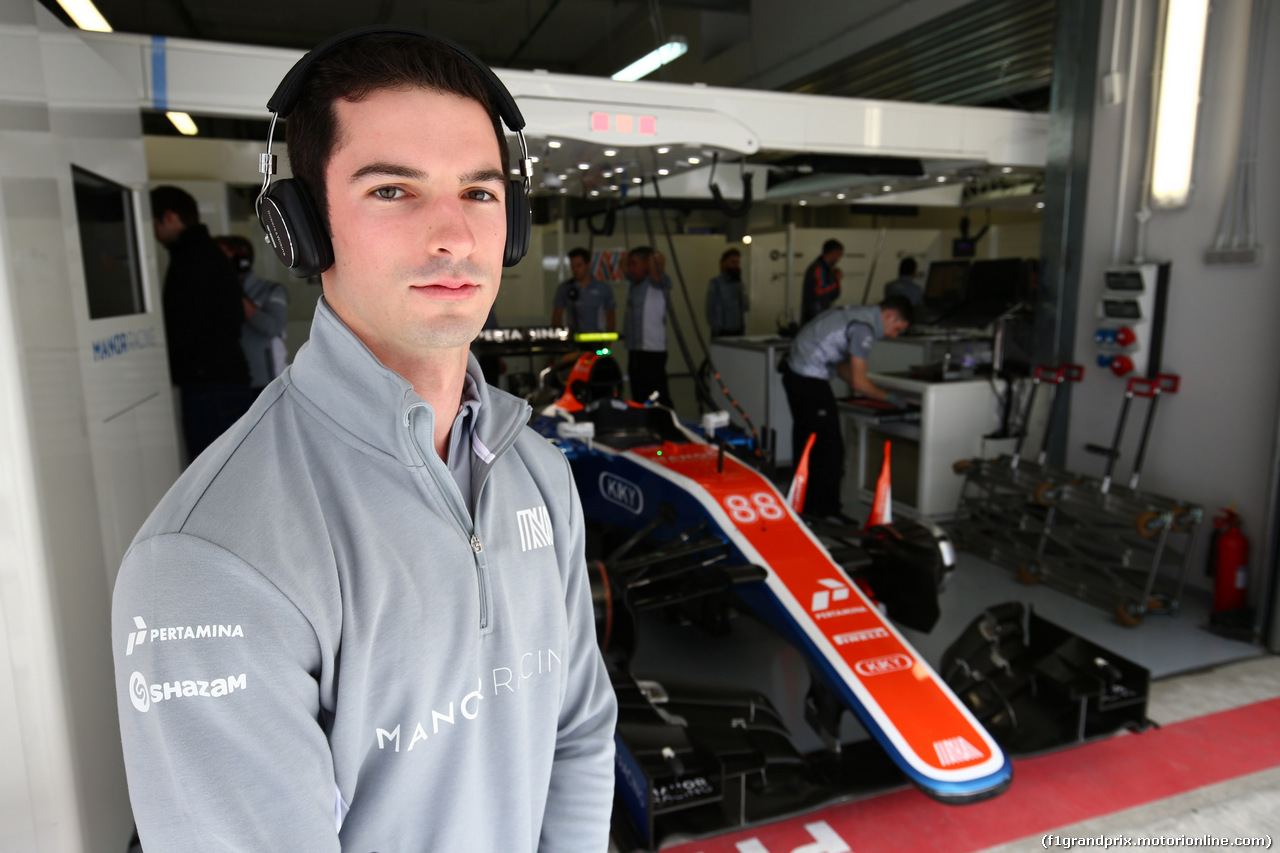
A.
x: 360, y: 396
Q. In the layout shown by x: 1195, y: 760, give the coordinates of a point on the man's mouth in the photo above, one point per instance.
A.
x: 449, y: 289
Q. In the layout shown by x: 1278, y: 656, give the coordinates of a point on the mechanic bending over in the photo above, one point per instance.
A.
x: 361, y: 620
x: 835, y: 343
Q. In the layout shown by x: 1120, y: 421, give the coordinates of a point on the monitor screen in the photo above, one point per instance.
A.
x: 1001, y: 281
x: 108, y: 245
x: 946, y: 281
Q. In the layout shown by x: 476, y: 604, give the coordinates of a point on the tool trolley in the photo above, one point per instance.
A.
x: 1006, y: 504
x: 1119, y: 546
x: 1115, y: 546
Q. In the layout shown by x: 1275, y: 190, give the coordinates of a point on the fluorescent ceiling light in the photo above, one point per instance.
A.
x: 693, y: 161
x: 663, y: 150
x: 653, y: 60
x: 184, y: 123
x: 1180, y: 64
x: 553, y: 144
x: 85, y: 15
x: 609, y: 152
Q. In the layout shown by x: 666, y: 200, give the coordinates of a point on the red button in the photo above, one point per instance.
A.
x: 1121, y: 364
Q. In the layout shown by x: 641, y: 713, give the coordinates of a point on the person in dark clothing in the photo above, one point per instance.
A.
x: 202, y: 319
x: 821, y: 285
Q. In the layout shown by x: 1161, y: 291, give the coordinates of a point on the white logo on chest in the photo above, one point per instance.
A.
x: 535, y: 528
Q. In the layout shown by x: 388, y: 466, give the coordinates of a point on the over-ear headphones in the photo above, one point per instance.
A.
x: 289, y: 214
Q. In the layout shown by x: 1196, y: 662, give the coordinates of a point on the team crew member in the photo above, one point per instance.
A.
x: 905, y: 283
x: 727, y: 301
x: 835, y: 343
x: 646, y: 325
x: 821, y: 281
x: 586, y: 304
x: 266, y: 313
x: 362, y: 620
x: 202, y: 319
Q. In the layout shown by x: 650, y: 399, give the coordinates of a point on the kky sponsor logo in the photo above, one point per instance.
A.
x: 622, y: 492
x: 883, y: 665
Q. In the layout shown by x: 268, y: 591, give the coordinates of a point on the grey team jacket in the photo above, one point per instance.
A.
x: 316, y: 651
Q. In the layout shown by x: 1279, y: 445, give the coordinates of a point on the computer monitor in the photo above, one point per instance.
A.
x: 998, y: 282
x: 108, y: 245
x: 946, y: 282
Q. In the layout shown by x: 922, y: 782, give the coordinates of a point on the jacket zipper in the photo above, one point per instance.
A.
x: 463, y: 520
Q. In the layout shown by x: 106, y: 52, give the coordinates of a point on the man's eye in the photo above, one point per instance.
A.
x: 481, y: 195
x: 388, y: 193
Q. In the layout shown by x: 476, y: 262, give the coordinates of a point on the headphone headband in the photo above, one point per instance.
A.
x: 289, y: 91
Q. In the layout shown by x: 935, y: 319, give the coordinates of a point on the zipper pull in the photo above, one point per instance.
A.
x: 475, y: 544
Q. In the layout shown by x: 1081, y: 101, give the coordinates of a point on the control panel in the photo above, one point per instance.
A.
x: 1129, y: 333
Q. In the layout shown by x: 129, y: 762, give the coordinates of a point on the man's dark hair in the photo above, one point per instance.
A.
x: 907, y: 266
x: 644, y: 253
x: 181, y: 202
x: 902, y: 305
x: 237, y: 245
x: 730, y: 253
x: 357, y: 70
x: 831, y: 246
x: 580, y: 253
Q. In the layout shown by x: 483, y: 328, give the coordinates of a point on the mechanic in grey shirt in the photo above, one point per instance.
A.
x: 727, y: 300
x: 583, y: 303
x: 905, y: 283
x: 835, y: 343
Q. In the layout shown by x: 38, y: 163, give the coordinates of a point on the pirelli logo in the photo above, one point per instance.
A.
x: 535, y: 528
x: 860, y: 636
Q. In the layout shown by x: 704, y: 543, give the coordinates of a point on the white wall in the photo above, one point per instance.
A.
x: 1212, y: 443
x: 86, y: 445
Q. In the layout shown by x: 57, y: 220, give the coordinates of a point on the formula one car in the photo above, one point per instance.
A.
x: 698, y: 564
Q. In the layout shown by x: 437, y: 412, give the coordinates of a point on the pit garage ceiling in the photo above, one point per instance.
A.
x: 989, y: 52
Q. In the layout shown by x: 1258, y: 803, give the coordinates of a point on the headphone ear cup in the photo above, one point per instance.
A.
x: 295, y: 229
x: 519, y: 224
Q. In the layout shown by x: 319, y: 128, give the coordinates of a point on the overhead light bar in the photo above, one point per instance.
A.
x: 183, y: 122
x: 1181, y: 59
x: 653, y: 60
x: 85, y: 15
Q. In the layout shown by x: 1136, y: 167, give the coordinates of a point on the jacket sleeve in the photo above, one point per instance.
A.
x: 273, y: 314
x: 216, y: 681
x: 580, y: 798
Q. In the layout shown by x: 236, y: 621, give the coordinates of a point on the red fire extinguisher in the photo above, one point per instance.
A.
x: 1230, y: 562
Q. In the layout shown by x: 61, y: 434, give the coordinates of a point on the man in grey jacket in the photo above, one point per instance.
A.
x: 362, y: 621
x: 727, y: 300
